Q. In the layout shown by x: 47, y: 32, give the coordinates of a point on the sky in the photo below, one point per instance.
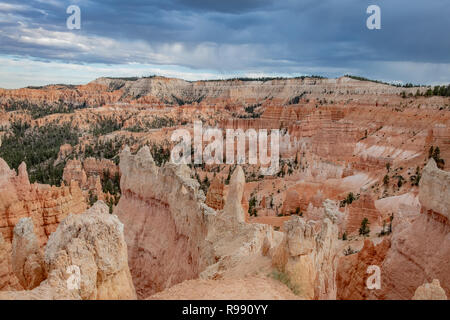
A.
x: 218, y: 39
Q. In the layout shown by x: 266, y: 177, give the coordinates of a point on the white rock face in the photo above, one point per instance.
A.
x: 309, y: 256
x: 91, y: 243
x: 233, y: 208
x: 430, y: 291
x: 434, y: 191
x: 27, y: 259
x: 233, y: 241
x: 171, y: 90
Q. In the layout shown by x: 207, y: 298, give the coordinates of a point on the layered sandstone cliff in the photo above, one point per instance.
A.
x: 45, y: 206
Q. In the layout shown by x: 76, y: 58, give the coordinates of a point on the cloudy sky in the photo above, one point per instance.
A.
x: 206, y: 39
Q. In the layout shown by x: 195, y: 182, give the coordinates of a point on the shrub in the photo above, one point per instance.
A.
x: 350, y: 198
x: 364, y: 229
x: 386, y: 180
x: 349, y: 251
x: 284, y: 278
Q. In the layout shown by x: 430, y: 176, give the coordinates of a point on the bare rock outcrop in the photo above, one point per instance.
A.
x: 249, y: 288
x: 309, y: 256
x: 434, y: 192
x: 420, y: 251
x: 27, y: 258
x: 85, y: 258
x: 165, y: 222
x: 430, y: 291
x: 234, y: 242
x: 8, y: 280
x: 352, y: 271
x: 74, y: 171
x: 88, y: 174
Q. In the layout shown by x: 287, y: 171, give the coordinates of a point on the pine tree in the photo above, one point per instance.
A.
x: 364, y: 230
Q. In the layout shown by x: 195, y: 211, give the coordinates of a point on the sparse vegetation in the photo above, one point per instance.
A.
x: 364, y: 230
x: 283, y: 277
x: 251, y: 206
x: 387, y: 231
x: 435, y: 153
x: 408, y: 85
x: 443, y: 91
x: 92, y: 198
x: 160, y: 153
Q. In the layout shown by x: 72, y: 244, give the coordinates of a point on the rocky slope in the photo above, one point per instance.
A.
x: 173, y: 236
x: 419, y: 247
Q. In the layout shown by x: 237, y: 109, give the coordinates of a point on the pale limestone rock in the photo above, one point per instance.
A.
x: 434, y: 190
x: 94, y: 244
x: 309, y: 256
x: 233, y: 241
x: 430, y: 291
x: 27, y: 259
x: 233, y: 208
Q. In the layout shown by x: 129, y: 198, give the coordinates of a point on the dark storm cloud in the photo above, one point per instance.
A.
x: 259, y: 35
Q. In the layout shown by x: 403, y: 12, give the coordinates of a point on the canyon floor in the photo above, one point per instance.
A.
x: 86, y: 184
